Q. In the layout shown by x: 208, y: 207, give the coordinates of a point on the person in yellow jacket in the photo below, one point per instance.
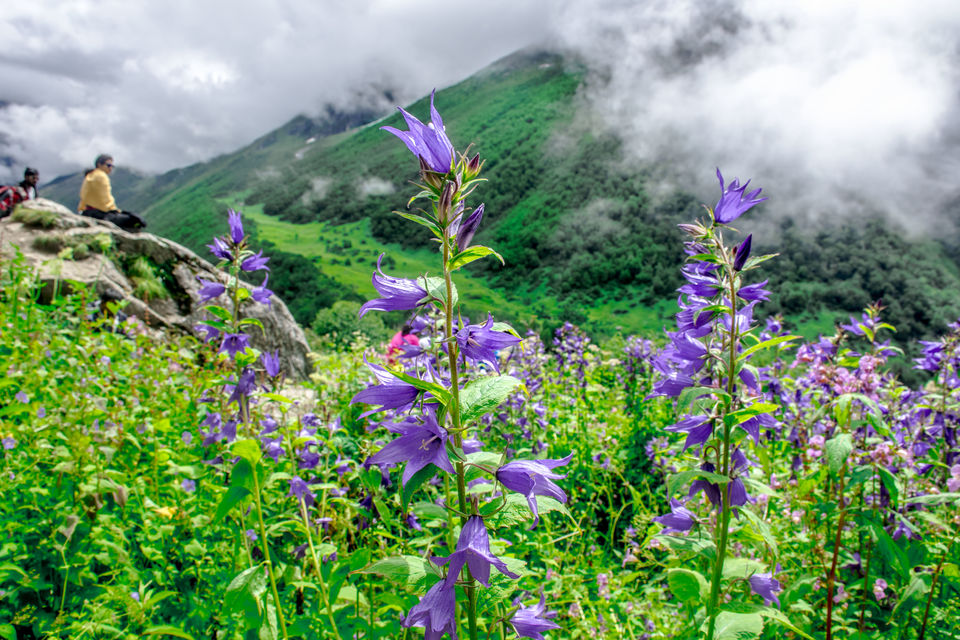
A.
x: 96, y: 197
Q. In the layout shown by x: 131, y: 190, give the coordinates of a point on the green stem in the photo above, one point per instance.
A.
x: 933, y: 587
x: 266, y: 555
x: 713, y: 605
x: 316, y: 568
x: 454, y: 412
x: 831, y: 578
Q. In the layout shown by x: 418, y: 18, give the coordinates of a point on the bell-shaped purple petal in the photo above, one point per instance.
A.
x: 398, y: 294
x: 679, y: 520
x: 754, y: 292
x: 435, y: 612
x: 473, y: 549
x: 234, y: 343
x: 420, y: 443
x: 391, y: 393
x: 301, y: 490
x: 469, y: 228
x: 261, y: 294
x: 271, y: 362
x: 532, y: 621
x: 479, y: 343
x: 733, y: 202
x: 743, y: 252
x: 236, y: 226
x: 256, y: 262
x: 244, y: 386
x: 533, y: 478
x: 210, y: 290
x: 428, y: 142
x: 766, y: 586
x: 220, y: 249
x: 698, y: 430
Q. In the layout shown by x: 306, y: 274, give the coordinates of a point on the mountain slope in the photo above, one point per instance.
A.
x: 582, y: 235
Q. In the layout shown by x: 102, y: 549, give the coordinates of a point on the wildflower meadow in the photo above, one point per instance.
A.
x: 723, y: 479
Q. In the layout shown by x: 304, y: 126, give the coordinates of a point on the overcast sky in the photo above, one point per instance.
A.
x: 849, y: 99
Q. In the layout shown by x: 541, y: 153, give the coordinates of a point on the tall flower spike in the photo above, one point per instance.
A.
x: 399, y: 294
x: 427, y: 141
x: 534, y: 478
x: 473, y: 549
x: 733, y: 203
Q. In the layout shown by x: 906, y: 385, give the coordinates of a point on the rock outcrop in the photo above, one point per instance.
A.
x: 63, y: 247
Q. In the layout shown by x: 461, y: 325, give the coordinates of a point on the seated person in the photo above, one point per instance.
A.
x: 31, y: 177
x: 11, y: 196
x: 96, y: 197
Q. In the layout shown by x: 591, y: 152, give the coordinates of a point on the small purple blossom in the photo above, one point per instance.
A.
x: 679, y: 520
x: 271, y: 362
x: 734, y: 202
x: 479, y: 343
x: 301, y: 490
x: 532, y: 621
x: 429, y: 142
x: 256, y: 262
x: 766, y: 586
x: 534, y: 478
x: 435, y: 612
x: 188, y: 485
x: 234, y: 343
x: 397, y: 294
x: 473, y: 549
x: 420, y: 443
x: 220, y: 249
x: 236, y: 226
x: 261, y: 294
x: 210, y: 290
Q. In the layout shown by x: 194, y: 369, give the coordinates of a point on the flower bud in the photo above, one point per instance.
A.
x: 445, y: 202
x: 429, y: 176
x: 743, y: 252
x: 474, y: 165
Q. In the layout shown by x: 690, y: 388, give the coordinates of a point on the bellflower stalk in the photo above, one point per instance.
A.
x: 708, y: 351
x: 440, y: 440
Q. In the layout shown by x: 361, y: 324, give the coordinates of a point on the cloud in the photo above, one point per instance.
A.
x: 831, y: 105
x: 163, y: 85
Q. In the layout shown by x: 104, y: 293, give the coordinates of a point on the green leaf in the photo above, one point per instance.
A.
x: 219, y: 312
x: 470, y: 254
x: 422, y: 221
x: 406, y: 571
x: 742, y: 415
x: 738, y: 626
x: 437, y: 288
x: 682, y: 479
x: 167, y: 631
x: 7, y: 632
x: 837, y: 450
x: 438, y: 392
x: 249, y: 450
x: 762, y: 529
x: 252, y: 322
x: 890, y: 550
x: 919, y: 586
x: 246, y: 588
x: 276, y: 397
x: 483, y: 395
x: 415, y: 483
x: 766, y: 344
x: 687, y: 585
x: 230, y: 499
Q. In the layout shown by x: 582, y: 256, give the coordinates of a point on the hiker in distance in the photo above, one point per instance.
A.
x: 96, y: 197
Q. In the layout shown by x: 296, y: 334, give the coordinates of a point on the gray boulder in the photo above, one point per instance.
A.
x: 156, y: 277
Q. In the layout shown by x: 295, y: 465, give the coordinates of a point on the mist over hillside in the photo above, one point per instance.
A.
x: 586, y: 224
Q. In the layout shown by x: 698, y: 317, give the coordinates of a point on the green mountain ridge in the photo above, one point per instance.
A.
x: 582, y: 236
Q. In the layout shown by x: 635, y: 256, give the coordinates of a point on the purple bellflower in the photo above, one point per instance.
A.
x: 479, y: 343
x: 391, y: 393
x: 531, y: 622
x: 220, y: 249
x: 261, y: 294
x: 398, y: 294
x: 256, y: 262
x: 236, y: 226
x: 429, y: 142
x: 733, y: 202
x: 679, y: 519
x: 534, y: 478
x: 234, y: 343
x: 301, y: 490
x: 743, y: 252
x: 469, y: 227
x: 435, y: 612
x: 245, y: 386
x: 271, y: 362
x: 210, y: 290
x: 419, y: 444
x: 698, y: 430
x: 766, y: 586
x: 473, y: 549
